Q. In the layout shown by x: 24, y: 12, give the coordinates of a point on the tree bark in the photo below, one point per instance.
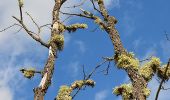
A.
x: 138, y: 82
x: 41, y: 90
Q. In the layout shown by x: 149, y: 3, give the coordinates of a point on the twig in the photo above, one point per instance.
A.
x: 73, y: 14
x: 9, y: 27
x: 66, y: 18
x: 46, y: 25
x: 84, y: 73
x: 86, y: 77
x: 146, y: 59
x: 106, y: 71
x: 34, y: 22
x: 77, y: 5
x: 162, y: 81
x: 166, y: 35
x: 92, y: 1
x: 18, y: 30
x: 34, y: 36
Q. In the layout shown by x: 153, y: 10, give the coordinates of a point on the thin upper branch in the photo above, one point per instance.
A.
x: 162, y: 81
x: 34, y: 36
x: 77, y: 5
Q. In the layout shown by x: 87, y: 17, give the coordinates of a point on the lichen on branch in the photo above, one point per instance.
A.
x: 150, y: 68
x: 161, y: 72
x: 74, y: 27
x: 66, y: 91
x: 58, y: 39
x: 125, y: 61
x: 28, y: 73
x: 125, y: 90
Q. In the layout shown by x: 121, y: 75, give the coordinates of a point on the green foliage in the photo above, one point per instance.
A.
x: 125, y: 90
x: 64, y: 93
x: 127, y: 61
x: 149, y: 68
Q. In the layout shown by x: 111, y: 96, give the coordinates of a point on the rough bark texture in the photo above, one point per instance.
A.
x: 137, y: 80
x: 40, y: 91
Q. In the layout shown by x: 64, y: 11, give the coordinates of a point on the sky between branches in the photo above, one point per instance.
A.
x: 141, y: 25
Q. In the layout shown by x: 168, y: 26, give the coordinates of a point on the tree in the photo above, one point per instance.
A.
x: 139, y: 75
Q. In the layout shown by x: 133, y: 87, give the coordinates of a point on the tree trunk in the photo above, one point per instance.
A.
x: 41, y: 90
x: 137, y: 80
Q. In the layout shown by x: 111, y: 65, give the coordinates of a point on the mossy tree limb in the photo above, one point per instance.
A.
x: 65, y: 91
x: 41, y: 90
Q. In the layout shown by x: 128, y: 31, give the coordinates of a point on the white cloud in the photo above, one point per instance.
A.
x: 136, y: 43
x: 74, y: 68
x: 129, y: 24
x: 10, y: 82
x: 13, y: 45
x: 81, y: 46
x: 5, y: 93
x: 112, y: 3
x: 101, y: 95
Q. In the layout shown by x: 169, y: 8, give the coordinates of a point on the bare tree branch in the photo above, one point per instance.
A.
x: 92, y: 1
x: 162, y: 81
x: 10, y: 27
x: 77, y: 5
x: 86, y: 77
x: 34, y: 22
x: 34, y: 36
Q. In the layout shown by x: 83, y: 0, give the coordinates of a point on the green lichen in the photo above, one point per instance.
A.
x: 90, y: 82
x: 79, y: 84
x: 28, y: 73
x: 125, y: 90
x: 99, y: 22
x: 149, y: 68
x: 100, y: 1
x: 127, y: 61
x: 61, y: 28
x: 146, y: 92
x: 74, y: 27
x: 161, y: 72
x: 64, y: 93
x: 58, y: 39
x: 85, y: 12
x: 21, y: 3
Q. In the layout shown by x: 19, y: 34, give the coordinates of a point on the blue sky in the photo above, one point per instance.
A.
x: 141, y: 24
